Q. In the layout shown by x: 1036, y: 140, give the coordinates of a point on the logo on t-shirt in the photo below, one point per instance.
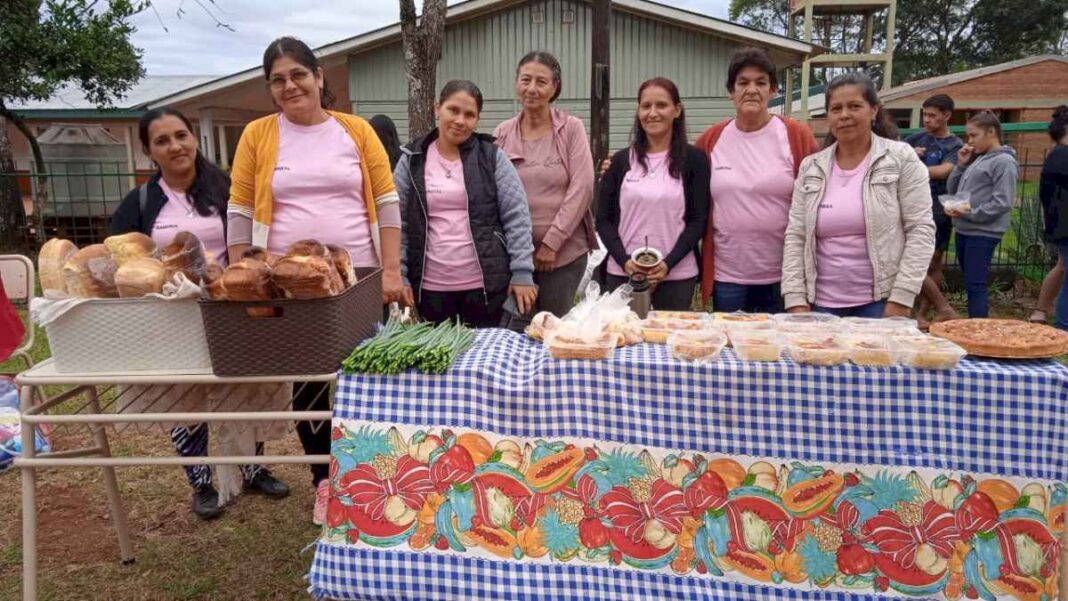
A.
x: 282, y: 168
x: 723, y: 168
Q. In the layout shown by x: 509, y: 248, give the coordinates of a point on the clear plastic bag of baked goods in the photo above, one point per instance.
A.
x: 591, y: 316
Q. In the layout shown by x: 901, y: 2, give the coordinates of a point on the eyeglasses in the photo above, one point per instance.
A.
x: 278, y: 82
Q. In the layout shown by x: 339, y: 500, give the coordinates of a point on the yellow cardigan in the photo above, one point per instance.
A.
x: 253, y: 171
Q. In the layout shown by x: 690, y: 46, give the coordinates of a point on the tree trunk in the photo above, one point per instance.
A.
x: 600, y: 90
x: 421, y: 42
x: 12, y: 213
x: 40, y: 196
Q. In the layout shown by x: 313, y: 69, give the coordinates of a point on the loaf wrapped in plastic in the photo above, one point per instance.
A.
x: 139, y: 277
x: 133, y: 245
x: 343, y: 263
x: 260, y: 254
x: 213, y: 281
x: 50, y: 261
x: 306, y: 277
x: 248, y: 280
x: 90, y: 273
x: 185, y: 253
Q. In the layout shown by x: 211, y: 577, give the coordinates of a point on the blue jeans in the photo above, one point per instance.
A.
x: 752, y: 298
x: 975, y: 254
x: 873, y: 310
x: 1061, y: 318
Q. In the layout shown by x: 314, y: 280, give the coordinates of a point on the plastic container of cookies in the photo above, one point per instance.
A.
x: 817, y: 349
x: 563, y: 345
x: 737, y: 317
x: 697, y: 346
x: 657, y: 331
x: 927, y: 352
x: 757, y: 345
x: 873, y: 350
x: 680, y: 315
x: 887, y: 326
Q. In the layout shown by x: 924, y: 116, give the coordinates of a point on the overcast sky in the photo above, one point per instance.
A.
x: 192, y: 43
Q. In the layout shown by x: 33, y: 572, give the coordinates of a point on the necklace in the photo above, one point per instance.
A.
x: 446, y: 166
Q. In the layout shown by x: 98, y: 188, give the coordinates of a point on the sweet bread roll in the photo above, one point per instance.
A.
x: 343, y: 263
x: 307, y: 248
x: 127, y: 247
x: 140, y: 277
x: 54, y: 254
x: 248, y: 280
x: 90, y: 273
x: 306, y: 277
x: 185, y: 253
x: 213, y: 282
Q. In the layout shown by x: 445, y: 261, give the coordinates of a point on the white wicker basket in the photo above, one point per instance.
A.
x: 130, y: 335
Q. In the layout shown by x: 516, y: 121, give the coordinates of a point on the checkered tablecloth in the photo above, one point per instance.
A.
x: 986, y: 417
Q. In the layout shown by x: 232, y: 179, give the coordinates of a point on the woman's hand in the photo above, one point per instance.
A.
x: 525, y: 297
x: 631, y: 268
x: 800, y: 309
x: 605, y: 164
x: 657, y: 273
x: 392, y: 286
x: 965, y: 155
x: 544, y: 259
x: 953, y: 213
x: 408, y: 297
x: 896, y: 310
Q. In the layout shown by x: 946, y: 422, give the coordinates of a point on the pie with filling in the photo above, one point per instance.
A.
x: 1005, y: 338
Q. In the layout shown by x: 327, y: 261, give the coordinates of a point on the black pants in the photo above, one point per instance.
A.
x: 314, y: 436
x: 668, y: 295
x: 474, y: 307
x: 556, y: 288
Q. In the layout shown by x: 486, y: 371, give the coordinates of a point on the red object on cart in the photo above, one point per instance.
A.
x: 11, y: 327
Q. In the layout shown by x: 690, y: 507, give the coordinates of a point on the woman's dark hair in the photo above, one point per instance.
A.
x: 987, y: 120
x: 387, y: 134
x: 640, y: 140
x: 300, y: 52
x: 544, y: 58
x: 751, y: 57
x: 882, y: 126
x: 461, y: 85
x: 1058, y: 125
x: 208, y: 178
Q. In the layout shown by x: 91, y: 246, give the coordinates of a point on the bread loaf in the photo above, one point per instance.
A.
x: 90, y: 273
x: 127, y: 247
x: 248, y: 280
x: 213, y: 282
x: 54, y: 254
x: 185, y: 253
x: 139, y: 277
x: 306, y: 277
x: 307, y: 248
x: 343, y: 263
x: 260, y: 254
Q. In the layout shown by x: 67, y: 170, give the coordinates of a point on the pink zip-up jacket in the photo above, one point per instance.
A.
x: 573, y: 221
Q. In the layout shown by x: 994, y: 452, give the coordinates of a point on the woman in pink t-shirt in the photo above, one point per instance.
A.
x: 861, y: 233
x: 186, y: 194
x: 655, y: 193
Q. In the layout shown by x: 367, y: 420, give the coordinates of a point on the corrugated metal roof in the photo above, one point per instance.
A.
x: 149, y: 88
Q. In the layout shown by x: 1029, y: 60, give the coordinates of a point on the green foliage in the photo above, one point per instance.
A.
x: 45, y: 44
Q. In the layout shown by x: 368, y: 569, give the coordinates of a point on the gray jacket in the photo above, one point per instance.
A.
x: 990, y: 178
x: 897, y: 216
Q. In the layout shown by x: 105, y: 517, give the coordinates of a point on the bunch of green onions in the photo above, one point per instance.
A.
x: 398, y: 347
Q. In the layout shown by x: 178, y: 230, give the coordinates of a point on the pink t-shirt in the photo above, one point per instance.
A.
x: 451, y: 263
x: 653, y: 205
x: 178, y: 215
x: 751, y: 186
x: 844, y: 275
x: 545, y: 180
x: 318, y: 191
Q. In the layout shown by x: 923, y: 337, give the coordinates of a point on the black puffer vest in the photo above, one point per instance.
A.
x: 479, y: 157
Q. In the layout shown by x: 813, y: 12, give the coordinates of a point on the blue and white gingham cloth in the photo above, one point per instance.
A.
x: 985, y: 417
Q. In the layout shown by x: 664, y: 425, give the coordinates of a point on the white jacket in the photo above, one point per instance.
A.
x: 897, y: 216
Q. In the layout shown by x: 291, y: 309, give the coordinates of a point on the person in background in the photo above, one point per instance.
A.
x: 467, y: 243
x: 861, y: 235
x: 938, y: 149
x: 1053, y: 190
x: 187, y: 193
x: 987, y: 171
x: 551, y: 152
x: 387, y: 134
x: 307, y: 172
x: 655, y: 193
x: 754, y: 157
